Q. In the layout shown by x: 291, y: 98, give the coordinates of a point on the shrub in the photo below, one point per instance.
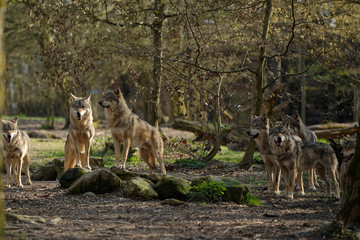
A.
x: 214, y: 191
x: 189, y: 163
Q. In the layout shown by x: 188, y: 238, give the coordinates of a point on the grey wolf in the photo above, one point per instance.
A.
x: 259, y: 132
x: 129, y: 129
x: 81, y: 131
x: 16, y: 149
x: 347, y: 154
x: 294, y: 157
x: 298, y: 128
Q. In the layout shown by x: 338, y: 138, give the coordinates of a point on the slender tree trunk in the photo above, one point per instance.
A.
x: 349, y: 216
x: 154, y: 103
x: 248, y: 157
x: 2, y: 97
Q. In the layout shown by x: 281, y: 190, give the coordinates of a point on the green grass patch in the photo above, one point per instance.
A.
x: 24, y: 117
x: 252, y: 200
x: 229, y: 156
x: 189, y: 163
x: 324, y: 140
x: 46, y: 150
x: 214, y: 191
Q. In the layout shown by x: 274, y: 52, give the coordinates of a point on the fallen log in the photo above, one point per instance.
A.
x: 336, y: 133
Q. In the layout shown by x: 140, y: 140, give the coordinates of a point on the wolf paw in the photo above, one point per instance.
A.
x: 301, y: 193
x: 277, y: 192
x: 312, y: 187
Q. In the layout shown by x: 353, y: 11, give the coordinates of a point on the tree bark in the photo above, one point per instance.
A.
x: 157, y: 27
x: 349, y: 216
x: 248, y: 157
x: 2, y: 97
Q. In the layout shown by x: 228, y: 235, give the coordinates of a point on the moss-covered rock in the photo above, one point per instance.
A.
x: 98, y: 181
x: 126, y: 175
x: 70, y: 176
x: 173, y: 187
x: 138, y: 187
x: 172, y: 202
x: 235, y: 190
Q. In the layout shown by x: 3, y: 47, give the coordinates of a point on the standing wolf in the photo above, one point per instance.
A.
x: 16, y: 149
x: 259, y: 131
x: 81, y: 131
x: 129, y: 129
x: 298, y: 128
x: 294, y: 157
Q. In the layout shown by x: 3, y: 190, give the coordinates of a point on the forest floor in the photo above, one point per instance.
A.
x: 50, y: 213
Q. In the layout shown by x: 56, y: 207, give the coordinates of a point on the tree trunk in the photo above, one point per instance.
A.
x: 248, y: 157
x: 349, y: 216
x: 2, y: 97
x: 154, y: 103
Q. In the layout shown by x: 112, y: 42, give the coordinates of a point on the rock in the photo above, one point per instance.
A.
x: 126, y: 175
x: 42, y: 134
x: 12, y: 217
x: 55, y: 221
x: 173, y: 187
x: 70, y: 176
x: 89, y: 194
x: 138, y: 187
x: 123, y: 174
x: 98, y: 181
x: 235, y: 190
x: 172, y: 202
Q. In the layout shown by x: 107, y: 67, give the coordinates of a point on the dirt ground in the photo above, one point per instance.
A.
x: 111, y: 216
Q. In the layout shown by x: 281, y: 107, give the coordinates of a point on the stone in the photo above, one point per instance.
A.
x: 173, y: 187
x: 70, y: 176
x: 98, y: 181
x: 138, y: 187
x: 235, y: 190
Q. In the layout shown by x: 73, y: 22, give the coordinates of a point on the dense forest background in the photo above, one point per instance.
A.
x: 199, y: 60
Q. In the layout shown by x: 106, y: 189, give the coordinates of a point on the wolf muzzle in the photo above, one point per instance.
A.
x: 102, y: 104
x: 7, y: 138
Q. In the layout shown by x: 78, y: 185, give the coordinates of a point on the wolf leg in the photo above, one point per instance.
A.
x: 18, y: 173
x: 8, y: 173
x: 125, y: 152
x: 85, y: 158
x: 117, y: 151
x: 292, y: 177
x: 301, y: 183
x: 277, y: 171
x: 270, y: 175
x: 27, y: 173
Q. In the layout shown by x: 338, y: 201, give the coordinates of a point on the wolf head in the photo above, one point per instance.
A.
x: 110, y: 98
x: 280, y: 135
x: 258, y: 125
x: 80, y: 107
x: 293, y: 124
x: 10, y: 129
x: 348, y: 150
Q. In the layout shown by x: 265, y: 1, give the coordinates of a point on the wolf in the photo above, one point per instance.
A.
x: 128, y: 128
x: 294, y: 157
x: 298, y: 128
x: 347, y: 154
x: 258, y: 131
x: 81, y: 131
x: 16, y: 149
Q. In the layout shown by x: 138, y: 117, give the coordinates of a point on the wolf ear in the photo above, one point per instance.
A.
x: 297, y: 116
x: 15, y: 120
x: 117, y: 91
x: 252, y: 116
x: 88, y: 98
x: 264, y: 118
x: 73, y: 97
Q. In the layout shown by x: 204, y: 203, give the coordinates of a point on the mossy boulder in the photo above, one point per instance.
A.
x: 126, y: 175
x: 138, y: 187
x: 70, y: 176
x: 98, y: 181
x: 235, y: 190
x: 50, y: 171
x: 173, y: 187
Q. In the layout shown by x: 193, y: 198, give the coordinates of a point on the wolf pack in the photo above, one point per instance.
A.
x: 288, y: 149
